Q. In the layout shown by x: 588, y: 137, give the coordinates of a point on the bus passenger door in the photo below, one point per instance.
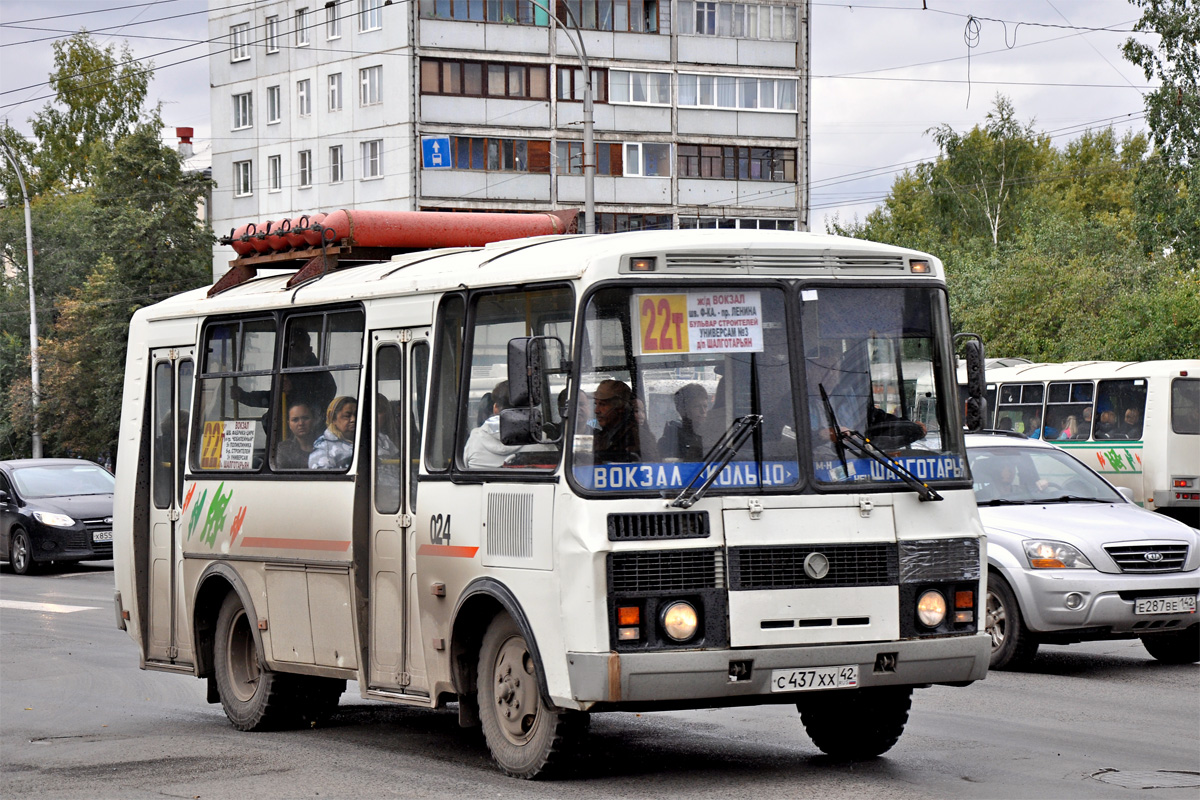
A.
x: 401, y: 369
x: 169, y: 638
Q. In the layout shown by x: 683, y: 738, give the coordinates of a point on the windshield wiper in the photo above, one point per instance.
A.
x: 720, y: 454
x: 862, y: 444
x: 1073, y: 498
x: 1000, y: 501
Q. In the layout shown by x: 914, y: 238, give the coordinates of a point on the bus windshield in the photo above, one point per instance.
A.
x: 876, y: 362
x: 665, y: 372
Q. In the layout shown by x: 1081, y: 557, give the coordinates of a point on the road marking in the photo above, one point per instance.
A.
x: 55, y: 608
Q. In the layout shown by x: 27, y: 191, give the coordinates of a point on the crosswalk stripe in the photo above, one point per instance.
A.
x: 55, y: 608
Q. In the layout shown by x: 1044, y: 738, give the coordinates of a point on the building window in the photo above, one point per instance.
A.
x: 335, y: 164
x: 335, y: 92
x: 500, y: 155
x: 333, y: 22
x: 742, y: 20
x: 372, y: 159
x: 272, y: 28
x: 638, y: 16
x: 370, y: 15
x: 239, y: 42
x: 485, y: 79
x: 274, y: 105
x: 745, y: 223
x: 304, y: 169
x: 274, y: 173
x: 369, y: 89
x: 304, y: 97
x: 647, y: 88
x: 569, y: 84
x: 648, y: 160
x: 569, y: 158
x: 302, y: 27
x: 739, y: 92
x: 243, y: 178
x: 619, y: 223
x: 243, y: 111
x: 511, y: 12
x: 737, y: 163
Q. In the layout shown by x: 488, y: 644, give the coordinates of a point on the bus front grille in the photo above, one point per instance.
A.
x: 639, y: 527
x: 783, y: 567
x: 646, y: 572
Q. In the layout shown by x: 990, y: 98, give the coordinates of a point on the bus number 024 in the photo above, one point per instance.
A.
x: 439, y: 529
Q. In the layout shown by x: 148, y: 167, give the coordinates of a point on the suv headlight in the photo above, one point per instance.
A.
x: 53, y: 520
x: 1054, y: 555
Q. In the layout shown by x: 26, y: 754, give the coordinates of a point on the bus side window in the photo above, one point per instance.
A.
x: 234, y: 389
x: 1121, y: 407
x: 447, y: 354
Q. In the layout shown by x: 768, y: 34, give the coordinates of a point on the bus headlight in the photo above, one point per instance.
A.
x: 679, y: 620
x: 931, y: 608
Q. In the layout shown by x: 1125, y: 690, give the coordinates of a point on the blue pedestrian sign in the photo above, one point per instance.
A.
x: 435, y: 152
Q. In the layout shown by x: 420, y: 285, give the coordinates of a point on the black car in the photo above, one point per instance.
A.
x: 54, y: 509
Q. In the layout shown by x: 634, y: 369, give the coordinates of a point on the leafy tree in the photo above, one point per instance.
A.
x: 99, y: 94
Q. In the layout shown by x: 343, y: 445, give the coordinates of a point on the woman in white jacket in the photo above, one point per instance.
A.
x: 334, y: 449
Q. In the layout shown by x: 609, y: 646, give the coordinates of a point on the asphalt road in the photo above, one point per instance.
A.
x: 79, y: 720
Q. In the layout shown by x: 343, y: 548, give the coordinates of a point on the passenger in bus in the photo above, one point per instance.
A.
x: 682, y: 438
x: 616, y: 432
x: 1084, y: 429
x: 1132, y: 428
x: 316, y: 388
x: 646, y: 438
x: 1070, y: 428
x: 484, y: 450
x: 294, y: 452
x: 1034, y: 429
x: 334, y: 449
x: 1106, y: 427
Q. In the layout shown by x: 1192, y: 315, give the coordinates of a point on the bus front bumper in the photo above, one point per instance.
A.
x: 708, y: 677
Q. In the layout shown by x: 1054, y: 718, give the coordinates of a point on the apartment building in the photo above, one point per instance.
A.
x: 700, y: 109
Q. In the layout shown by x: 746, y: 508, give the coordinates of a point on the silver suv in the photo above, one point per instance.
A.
x: 1070, y: 559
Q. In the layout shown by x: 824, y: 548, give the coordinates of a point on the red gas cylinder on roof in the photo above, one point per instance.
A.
x: 312, y: 233
x: 239, y: 239
x: 277, y: 238
x: 428, y: 229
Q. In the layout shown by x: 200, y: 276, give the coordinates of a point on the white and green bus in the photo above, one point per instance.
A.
x: 1136, y: 423
x: 562, y: 475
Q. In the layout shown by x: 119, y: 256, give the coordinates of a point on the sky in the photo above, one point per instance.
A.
x: 883, y: 73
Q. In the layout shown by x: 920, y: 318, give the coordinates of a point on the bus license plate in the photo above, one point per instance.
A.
x: 804, y: 680
x: 101, y: 536
x: 1166, y: 605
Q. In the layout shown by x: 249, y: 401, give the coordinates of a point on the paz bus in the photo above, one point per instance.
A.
x: 1136, y: 423
x: 801, y: 541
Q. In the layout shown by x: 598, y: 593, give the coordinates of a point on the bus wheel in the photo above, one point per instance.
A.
x: 856, y: 724
x: 1013, y: 645
x: 1176, y: 647
x: 251, y: 694
x: 527, y: 736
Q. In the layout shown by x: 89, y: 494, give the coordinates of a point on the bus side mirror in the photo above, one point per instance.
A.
x: 530, y: 360
x: 976, y: 407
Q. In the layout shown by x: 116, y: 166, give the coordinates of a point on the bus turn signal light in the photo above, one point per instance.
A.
x: 964, y: 599
x: 629, y: 615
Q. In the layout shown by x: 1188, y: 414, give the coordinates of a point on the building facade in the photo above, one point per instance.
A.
x: 700, y: 109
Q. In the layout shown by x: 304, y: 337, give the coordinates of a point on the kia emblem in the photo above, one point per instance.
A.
x: 1154, y: 556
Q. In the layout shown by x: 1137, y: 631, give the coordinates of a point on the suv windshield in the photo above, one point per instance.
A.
x: 665, y: 373
x: 1006, y: 475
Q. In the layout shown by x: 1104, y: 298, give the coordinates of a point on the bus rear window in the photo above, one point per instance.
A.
x: 1185, y: 405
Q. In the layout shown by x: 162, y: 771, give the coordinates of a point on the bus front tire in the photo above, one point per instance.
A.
x: 1177, y: 647
x: 251, y: 694
x: 856, y: 724
x: 527, y: 736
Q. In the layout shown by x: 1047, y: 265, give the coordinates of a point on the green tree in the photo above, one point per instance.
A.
x: 99, y: 93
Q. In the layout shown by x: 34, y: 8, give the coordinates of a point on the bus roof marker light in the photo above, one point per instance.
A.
x: 919, y: 267
x: 647, y: 264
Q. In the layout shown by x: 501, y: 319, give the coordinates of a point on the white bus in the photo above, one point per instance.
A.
x: 613, y: 540
x: 1136, y: 423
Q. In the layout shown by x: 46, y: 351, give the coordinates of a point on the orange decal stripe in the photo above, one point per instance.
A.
x: 296, y: 544
x: 447, y: 550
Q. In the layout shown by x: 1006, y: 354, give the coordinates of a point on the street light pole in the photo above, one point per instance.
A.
x: 33, y: 326
x: 589, y: 144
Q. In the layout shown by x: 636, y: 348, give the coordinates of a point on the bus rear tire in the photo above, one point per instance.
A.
x: 856, y: 724
x: 254, y: 697
x: 527, y: 736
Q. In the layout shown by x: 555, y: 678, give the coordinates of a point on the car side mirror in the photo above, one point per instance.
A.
x: 1126, y: 492
x: 4, y: 498
x: 976, y: 407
